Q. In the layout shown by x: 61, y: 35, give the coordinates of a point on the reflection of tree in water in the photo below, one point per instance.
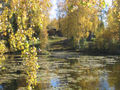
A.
x: 104, y: 84
x: 82, y: 77
x: 90, y: 79
x: 58, y: 74
x: 86, y: 80
x: 114, y: 75
x: 20, y: 73
x: 14, y: 75
x: 15, y: 84
x: 73, y: 75
x: 2, y: 58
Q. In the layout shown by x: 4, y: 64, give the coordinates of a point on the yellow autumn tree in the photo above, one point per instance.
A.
x: 81, y: 19
x: 108, y: 39
x: 21, y: 20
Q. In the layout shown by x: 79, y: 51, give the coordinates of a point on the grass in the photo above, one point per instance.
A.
x: 55, y: 39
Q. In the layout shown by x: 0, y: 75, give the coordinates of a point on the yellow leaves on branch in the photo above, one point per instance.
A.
x: 3, y: 48
x: 119, y: 16
x: 21, y: 19
x: 78, y: 23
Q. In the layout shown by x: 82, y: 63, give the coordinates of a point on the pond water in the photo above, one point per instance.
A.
x: 63, y: 71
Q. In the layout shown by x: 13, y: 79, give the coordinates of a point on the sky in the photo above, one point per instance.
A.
x: 109, y: 2
x: 104, y: 16
x: 53, y: 11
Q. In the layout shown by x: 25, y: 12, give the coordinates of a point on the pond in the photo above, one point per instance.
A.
x: 63, y: 71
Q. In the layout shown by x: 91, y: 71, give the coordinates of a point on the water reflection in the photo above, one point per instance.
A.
x: 83, y: 73
x: 104, y: 84
x: 114, y: 75
x: 1, y: 87
x: 15, y: 84
x: 55, y: 82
